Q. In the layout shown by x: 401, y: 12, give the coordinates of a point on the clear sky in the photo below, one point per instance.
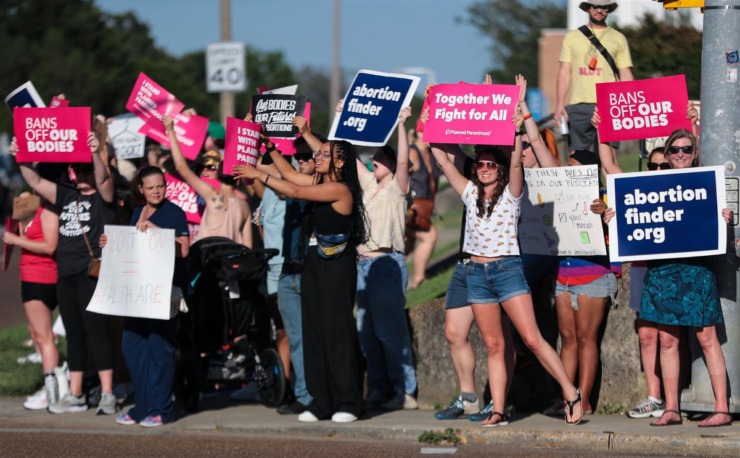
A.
x: 382, y: 35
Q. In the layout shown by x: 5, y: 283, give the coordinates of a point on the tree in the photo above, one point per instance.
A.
x: 514, y: 27
x: 662, y: 49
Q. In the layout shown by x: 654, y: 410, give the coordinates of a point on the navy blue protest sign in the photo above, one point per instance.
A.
x: 667, y: 214
x: 24, y: 96
x: 371, y: 107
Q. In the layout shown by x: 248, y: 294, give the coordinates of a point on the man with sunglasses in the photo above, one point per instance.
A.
x: 583, y: 65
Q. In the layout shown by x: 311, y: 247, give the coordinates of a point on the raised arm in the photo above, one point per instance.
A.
x: 693, y: 114
x: 45, y: 188
x: 457, y: 180
x: 563, y: 86
x: 541, y: 152
x: 302, y: 125
x: 203, y: 189
x: 284, y: 168
x: 607, y: 154
x: 103, y: 180
x: 516, y: 172
x: 402, y: 158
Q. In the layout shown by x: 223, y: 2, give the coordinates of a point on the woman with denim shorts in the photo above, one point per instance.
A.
x: 496, y: 280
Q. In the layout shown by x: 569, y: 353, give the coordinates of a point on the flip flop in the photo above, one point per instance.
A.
x: 725, y: 423
x: 570, y: 404
x: 670, y: 422
x: 503, y: 422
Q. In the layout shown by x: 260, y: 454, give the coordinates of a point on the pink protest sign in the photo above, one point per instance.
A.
x: 57, y: 102
x: 241, y: 143
x: 150, y: 101
x: 190, y: 130
x: 631, y: 110
x: 477, y: 114
x: 52, y: 134
x: 181, y: 194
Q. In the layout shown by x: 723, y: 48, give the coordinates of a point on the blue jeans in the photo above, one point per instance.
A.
x: 289, y: 305
x: 382, y: 324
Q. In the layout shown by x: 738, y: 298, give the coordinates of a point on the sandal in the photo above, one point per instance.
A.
x: 669, y: 422
x: 502, y: 422
x: 570, y: 405
x: 714, y: 414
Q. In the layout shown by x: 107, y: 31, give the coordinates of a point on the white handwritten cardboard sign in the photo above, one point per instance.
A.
x: 136, y: 273
x: 556, y: 219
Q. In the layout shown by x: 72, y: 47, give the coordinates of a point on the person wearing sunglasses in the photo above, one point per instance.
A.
x: 673, y: 281
x: 331, y: 352
x: 496, y: 282
x: 582, y: 66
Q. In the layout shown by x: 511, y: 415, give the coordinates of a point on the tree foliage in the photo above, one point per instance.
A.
x: 94, y: 58
x: 662, y: 49
x: 514, y: 27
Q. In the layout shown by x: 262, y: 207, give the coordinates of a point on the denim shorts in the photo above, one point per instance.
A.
x: 457, y: 290
x: 496, y: 281
x: 605, y: 286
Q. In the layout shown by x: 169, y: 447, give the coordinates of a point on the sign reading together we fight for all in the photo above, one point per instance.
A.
x: 633, y: 110
x: 52, y: 134
x: 477, y: 114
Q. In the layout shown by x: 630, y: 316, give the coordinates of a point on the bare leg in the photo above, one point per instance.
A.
x: 422, y: 253
x: 458, y: 322
x: 106, y: 380
x: 707, y: 337
x: 648, y: 334
x: 521, y: 312
x: 568, y: 339
x: 488, y: 317
x: 589, y: 316
x: 669, y: 366
x: 39, y: 325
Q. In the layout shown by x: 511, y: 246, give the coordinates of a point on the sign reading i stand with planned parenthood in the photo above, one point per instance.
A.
x: 371, y: 107
x: 225, y: 67
x: 670, y: 214
x: 478, y: 114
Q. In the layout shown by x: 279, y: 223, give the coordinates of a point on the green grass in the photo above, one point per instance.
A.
x: 447, y: 437
x: 429, y: 290
x: 19, y: 379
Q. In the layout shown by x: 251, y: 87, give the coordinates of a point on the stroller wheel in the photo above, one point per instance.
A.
x: 272, y: 386
x: 188, y: 383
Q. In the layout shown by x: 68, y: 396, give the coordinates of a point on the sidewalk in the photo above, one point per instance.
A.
x: 596, y: 434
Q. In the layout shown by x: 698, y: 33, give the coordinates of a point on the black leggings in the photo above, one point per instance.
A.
x: 85, y: 330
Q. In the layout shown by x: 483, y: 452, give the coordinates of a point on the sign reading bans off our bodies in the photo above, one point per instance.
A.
x: 478, y: 114
x: 669, y: 214
x: 52, y: 134
x: 556, y: 218
x: 371, y: 107
x: 136, y: 273
x: 633, y: 110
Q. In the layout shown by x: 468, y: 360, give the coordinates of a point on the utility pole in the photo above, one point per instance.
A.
x: 336, y: 75
x: 720, y: 145
x: 227, y: 98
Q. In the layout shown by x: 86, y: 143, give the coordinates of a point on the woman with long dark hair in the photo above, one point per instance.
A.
x: 331, y: 350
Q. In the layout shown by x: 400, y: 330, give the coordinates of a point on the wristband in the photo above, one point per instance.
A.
x: 527, y: 116
x: 270, y: 148
x: 267, y: 178
x: 519, y: 133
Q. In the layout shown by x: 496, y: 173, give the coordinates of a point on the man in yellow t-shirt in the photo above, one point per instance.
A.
x: 582, y: 66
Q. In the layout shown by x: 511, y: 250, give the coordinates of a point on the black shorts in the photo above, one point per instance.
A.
x: 46, y: 293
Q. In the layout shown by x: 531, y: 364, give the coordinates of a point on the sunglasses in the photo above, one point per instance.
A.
x: 599, y: 7
x: 303, y: 157
x: 319, y: 154
x: 656, y: 165
x: 479, y: 165
x: 211, y: 167
x: 525, y: 145
x: 688, y: 149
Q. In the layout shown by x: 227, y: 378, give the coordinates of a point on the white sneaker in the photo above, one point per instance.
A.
x: 69, y: 404
x: 343, y: 417
x: 34, y: 358
x: 107, y: 404
x: 36, y: 401
x: 307, y: 417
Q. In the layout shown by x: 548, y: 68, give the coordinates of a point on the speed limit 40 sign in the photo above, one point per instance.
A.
x: 225, y: 68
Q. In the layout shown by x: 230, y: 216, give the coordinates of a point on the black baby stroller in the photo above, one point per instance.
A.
x: 217, y: 337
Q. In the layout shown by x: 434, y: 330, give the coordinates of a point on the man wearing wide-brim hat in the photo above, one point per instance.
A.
x: 583, y: 65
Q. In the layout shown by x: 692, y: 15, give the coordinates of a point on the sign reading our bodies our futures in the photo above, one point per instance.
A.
x: 556, y: 218
x: 241, y: 144
x: 667, y: 214
x: 371, y: 107
x: 471, y: 113
x: 633, y: 110
x: 52, y: 134
x: 136, y: 273
x: 277, y: 112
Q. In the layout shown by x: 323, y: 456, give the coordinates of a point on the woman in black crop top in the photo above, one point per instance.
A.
x: 331, y: 350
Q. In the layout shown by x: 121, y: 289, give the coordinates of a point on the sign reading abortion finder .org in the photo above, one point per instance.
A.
x: 671, y: 214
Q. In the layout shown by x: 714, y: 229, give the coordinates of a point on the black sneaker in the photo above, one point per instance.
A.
x: 294, y: 408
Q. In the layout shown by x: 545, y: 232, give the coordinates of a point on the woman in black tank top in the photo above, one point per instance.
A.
x: 331, y: 351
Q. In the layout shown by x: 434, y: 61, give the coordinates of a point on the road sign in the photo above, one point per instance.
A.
x: 225, y: 70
